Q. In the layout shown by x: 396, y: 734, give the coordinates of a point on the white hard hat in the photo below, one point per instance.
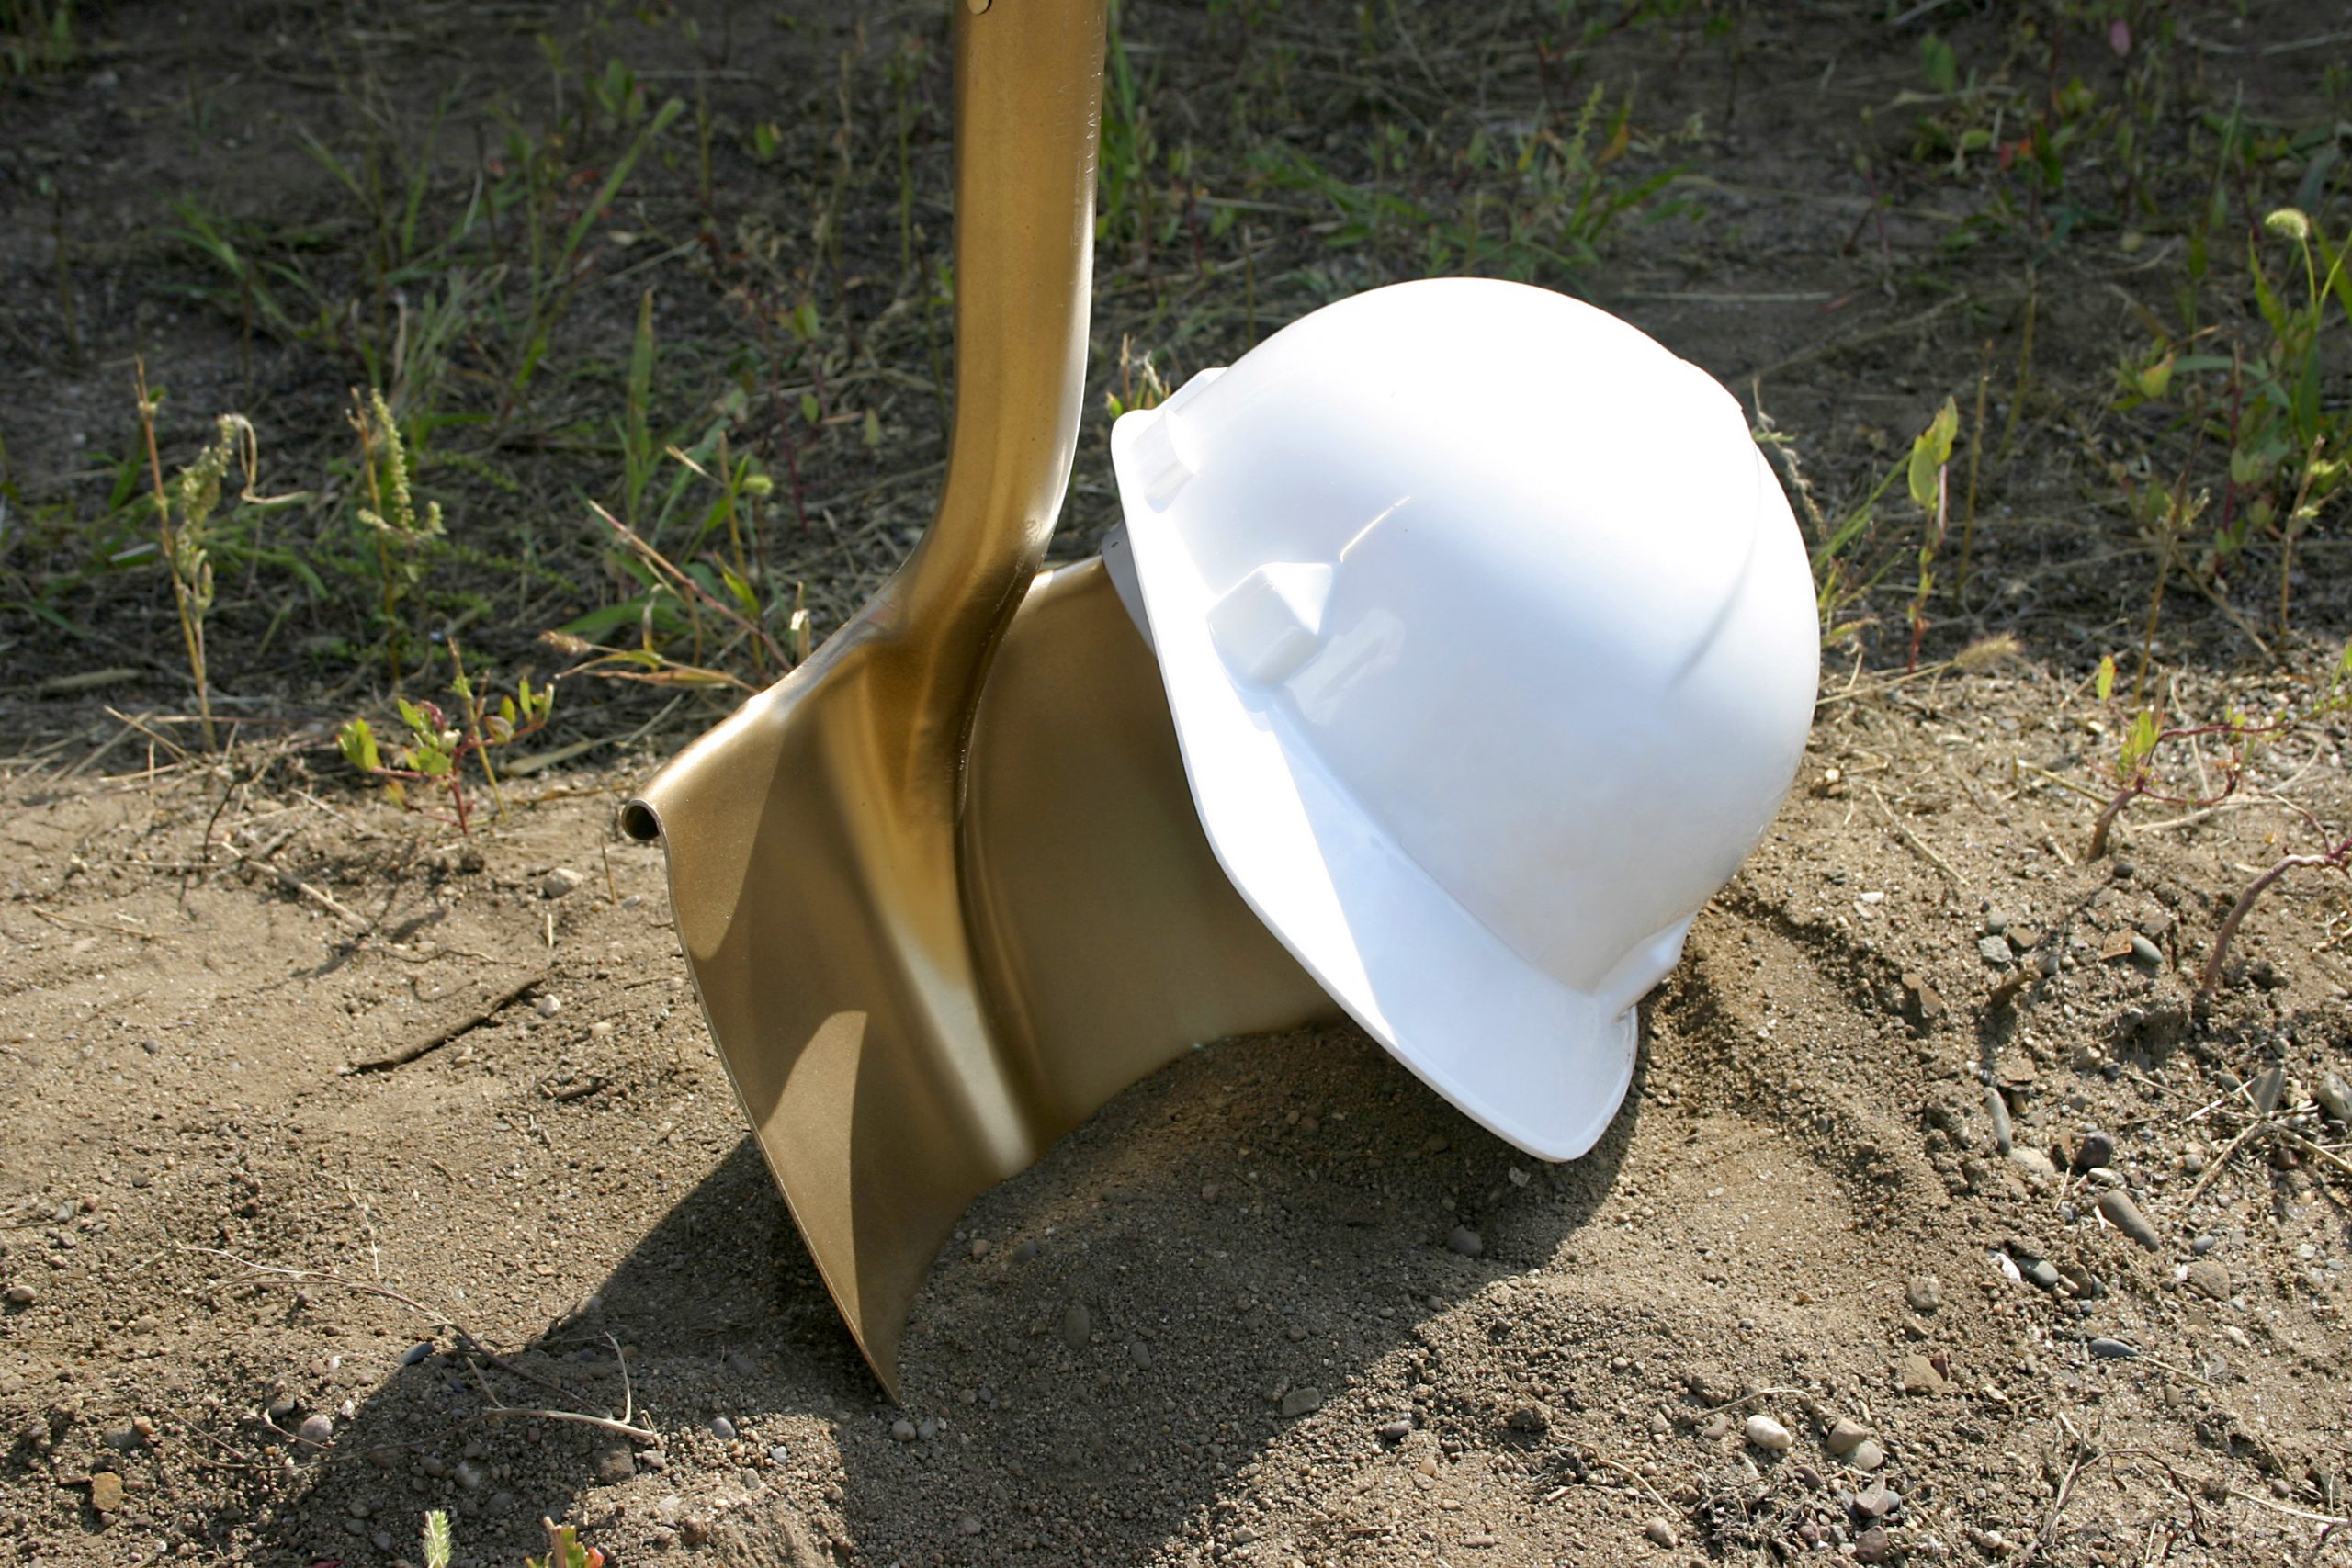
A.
x: 1491, y: 646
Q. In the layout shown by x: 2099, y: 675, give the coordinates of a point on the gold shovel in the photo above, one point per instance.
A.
x: 941, y: 888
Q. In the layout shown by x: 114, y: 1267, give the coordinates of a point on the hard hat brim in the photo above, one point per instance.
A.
x: 1534, y: 1061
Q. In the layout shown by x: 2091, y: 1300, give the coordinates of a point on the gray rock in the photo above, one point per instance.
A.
x: 2146, y: 953
x: 2107, y: 1349
x: 1872, y: 1545
x: 316, y: 1429
x: 2125, y: 1215
x: 1465, y: 1241
x: 722, y: 1429
x: 903, y: 1430
x: 1997, y: 1109
x: 2334, y: 1097
x: 1996, y: 923
x: 1078, y: 1327
x: 779, y: 1454
x: 1395, y: 1431
x: 559, y: 883
x: 1875, y: 1502
x: 2095, y: 1150
x: 615, y: 1463
x: 416, y: 1353
x: 2267, y: 1085
x: 1301, y: 1401
x: 1867, y: 1455
x: 1995, y: 950
x: 2040, y: 1274
x: 1660, y: 1532
x: 1845, y: 1436
x: 2209, y: 1279
x: 1925, y: 1292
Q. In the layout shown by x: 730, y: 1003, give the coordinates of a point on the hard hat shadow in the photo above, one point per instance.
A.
x: 1264, y: 1219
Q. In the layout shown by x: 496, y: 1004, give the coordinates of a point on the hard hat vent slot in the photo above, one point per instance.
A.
x: 1271, y: 622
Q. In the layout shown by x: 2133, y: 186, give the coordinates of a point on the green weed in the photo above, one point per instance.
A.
x: 402, y: 534
x: 436, y: 745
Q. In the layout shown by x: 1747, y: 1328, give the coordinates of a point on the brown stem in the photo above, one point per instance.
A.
x: 2254, y: 890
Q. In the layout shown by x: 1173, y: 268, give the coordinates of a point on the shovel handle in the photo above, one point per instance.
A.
x: 1028, y: 103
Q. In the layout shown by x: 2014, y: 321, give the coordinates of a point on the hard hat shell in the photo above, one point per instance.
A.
x: 1490, y: 642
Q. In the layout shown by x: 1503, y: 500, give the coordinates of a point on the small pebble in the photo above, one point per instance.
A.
x: 722, y: 1429
x: 105, y: 1491
x: 1024, y: 1252
x: 1466, y: 1241
x: 416, y: 1353
x: 547, y: 1006
x: 1302, y: 1400
x: 1875, y: 1502
x: 779, y: 1454
x: 22, y: 1294
x: 1925, y: 1292
x: 1768, y: 1434
x: 1845, y: 1436
x: 1867, y: 1455
x: 1661, y: 1533
x: 903, y: 1430
x: 979, y: 1247
x: 2095, y: 1150
x: 2113, y: 1349
x: 557, y: 884
x: 472, y: 1475
x: 2146, y: 953
x: 1994, y: 950
x: 2124, y: 1215
x: 2040, y: 1274
x: 315, y: 1429
x: 1872, y: 1545
x: 971, y: 1524
x: 615, y: 1463
x: 1395, y: 1431
x: 2036, y: 1164
x: 1078, y: 1327
x: 2334, y: 1097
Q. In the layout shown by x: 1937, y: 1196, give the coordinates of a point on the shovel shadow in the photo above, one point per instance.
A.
x: 1244, y: 1247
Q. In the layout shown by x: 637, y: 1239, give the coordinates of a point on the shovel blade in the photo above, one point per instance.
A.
x: 905, y: 1028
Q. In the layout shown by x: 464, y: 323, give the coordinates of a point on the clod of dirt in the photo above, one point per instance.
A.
x: 615, y: 1463
x: 1917, y: 1374
x: 105, y: 1491
x: 2210, y: 1280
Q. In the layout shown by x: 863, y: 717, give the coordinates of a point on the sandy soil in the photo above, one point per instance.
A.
x: 1242, y: 1313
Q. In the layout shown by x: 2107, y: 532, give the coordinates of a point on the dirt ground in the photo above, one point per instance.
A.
x: 348, y: 1163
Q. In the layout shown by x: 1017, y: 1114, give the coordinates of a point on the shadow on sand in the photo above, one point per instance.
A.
x: 1115, y: 1335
